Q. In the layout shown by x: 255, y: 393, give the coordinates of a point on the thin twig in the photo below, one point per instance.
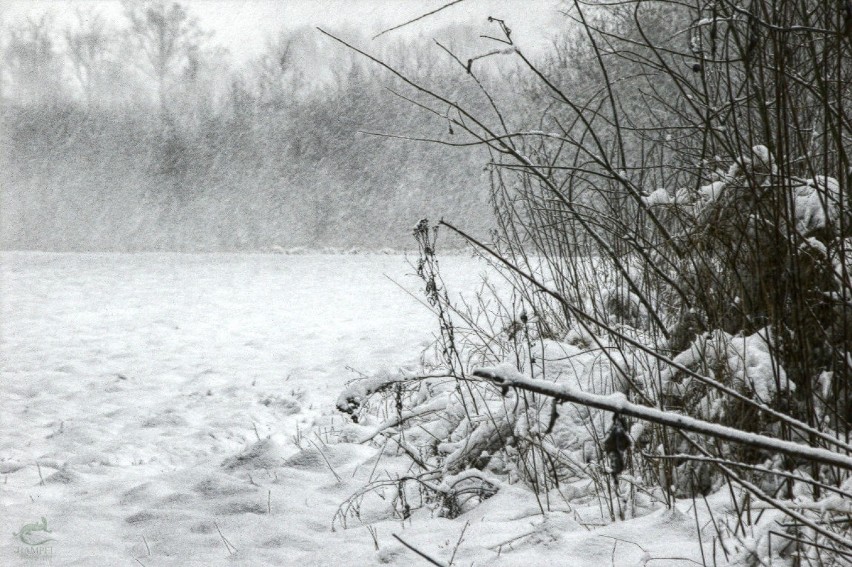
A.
x: 458, y: 543
x: 227, y: 543
x: 374, y: 533
x: 435, y: 11
x: 337, y: 476
x: 256, y: 434
x: 418, y: 552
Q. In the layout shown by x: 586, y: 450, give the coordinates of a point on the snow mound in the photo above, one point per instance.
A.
x: 7, y: 467
x: 217, y: 486
x: 63, y: 476
x: 319, y: 458
x: 658, y: 197
x: 745, y: 363
x: 712, y: 191
x: 166, y: 419
x: 816, y: 204
x: 284, y: 404
x: 265, y: 454
x: 240, y: 507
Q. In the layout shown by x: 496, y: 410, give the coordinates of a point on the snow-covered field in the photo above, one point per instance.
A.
x: 179, y: 410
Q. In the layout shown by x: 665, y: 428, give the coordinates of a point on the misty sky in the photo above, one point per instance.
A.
x: 243, y: 26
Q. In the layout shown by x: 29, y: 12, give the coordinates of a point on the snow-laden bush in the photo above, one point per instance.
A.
x: 678, y: 212
x: 744, y: 363
x: 466, y: 439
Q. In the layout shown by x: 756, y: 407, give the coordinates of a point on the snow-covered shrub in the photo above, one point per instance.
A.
x: 685, y: 229
x: 465, y: 438
x: 743, y: 363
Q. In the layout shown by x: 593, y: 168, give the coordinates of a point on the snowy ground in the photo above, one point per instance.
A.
x: 155, y: 407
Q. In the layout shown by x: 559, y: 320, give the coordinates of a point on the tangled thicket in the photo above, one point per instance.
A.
x: 674, y: 227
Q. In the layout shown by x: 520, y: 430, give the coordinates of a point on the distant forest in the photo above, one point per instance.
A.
x: 145, y: 134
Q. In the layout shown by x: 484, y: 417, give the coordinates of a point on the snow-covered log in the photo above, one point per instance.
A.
x: 506, y: 376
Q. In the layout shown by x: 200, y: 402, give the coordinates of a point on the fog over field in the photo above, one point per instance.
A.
x: 242, y: 130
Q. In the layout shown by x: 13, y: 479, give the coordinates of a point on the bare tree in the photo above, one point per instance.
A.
x: 168, y: 43
x: 90, y: 45
x: 167, y: 40
x: 274, y: 69
x: 33, y: 67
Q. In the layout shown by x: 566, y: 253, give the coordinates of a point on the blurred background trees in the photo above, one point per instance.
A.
x: 144, y: 134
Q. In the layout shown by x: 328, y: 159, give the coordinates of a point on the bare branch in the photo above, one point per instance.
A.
x: 426, y: 15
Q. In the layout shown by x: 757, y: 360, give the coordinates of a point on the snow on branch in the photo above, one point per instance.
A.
x: 436, y: 405
x: 507, y: 376
x: 353, y: 396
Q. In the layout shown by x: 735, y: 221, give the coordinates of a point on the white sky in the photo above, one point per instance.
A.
x: 244, y: 25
